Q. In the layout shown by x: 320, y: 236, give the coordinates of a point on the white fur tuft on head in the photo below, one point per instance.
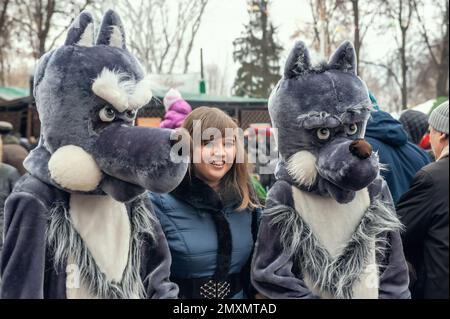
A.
x: 171, y: 97
x: 121, y: 93
x: 142, y: 94
x: 74, y: 169
x: 302, y: 168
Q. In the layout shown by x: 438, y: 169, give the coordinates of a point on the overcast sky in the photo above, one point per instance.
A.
x: 224, y: 21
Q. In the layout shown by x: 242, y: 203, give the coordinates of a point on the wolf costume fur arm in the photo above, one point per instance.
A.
x: 78, y: 226
x: 329, y: 229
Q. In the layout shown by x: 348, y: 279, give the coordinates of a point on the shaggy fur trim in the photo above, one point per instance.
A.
x: 334, y: 275
x: 63, y: 241
x: 194, y: 191
x: 225, y: 246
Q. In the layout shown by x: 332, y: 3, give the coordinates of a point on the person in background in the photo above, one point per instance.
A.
x: 401, y: 158
x: 176, y: 109
x: 13, y: 152
x: 415, y: 124
x: 210, y: 220
x: 423, y: 209
x: 8, y: 178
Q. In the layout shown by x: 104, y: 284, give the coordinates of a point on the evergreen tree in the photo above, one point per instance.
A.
x: 258, y: 53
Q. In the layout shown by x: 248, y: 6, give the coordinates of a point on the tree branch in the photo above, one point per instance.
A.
x: 387, y: 68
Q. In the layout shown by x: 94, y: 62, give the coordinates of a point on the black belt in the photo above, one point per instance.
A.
x: 208, y: 287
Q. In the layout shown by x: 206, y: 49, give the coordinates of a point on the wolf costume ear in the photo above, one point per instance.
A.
x: 298, y: 61
x: 344, y: 58
x: 111, y: 31
x: 81, y: 32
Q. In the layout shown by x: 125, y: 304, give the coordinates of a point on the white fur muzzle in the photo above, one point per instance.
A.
x: 302, y: 168
x: 74, y: 169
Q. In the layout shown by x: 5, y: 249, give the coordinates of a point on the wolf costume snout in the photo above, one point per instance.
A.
x: 329, y: 229
x: 78, y: 226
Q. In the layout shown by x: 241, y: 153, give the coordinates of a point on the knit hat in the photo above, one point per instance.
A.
x: 5, y: 128
x: 439, y: 118
x: 177, y: 109
x: 171, y: 97
x: 415, y: 124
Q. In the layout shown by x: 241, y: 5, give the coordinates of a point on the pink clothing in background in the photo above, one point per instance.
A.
x: 177, y: 109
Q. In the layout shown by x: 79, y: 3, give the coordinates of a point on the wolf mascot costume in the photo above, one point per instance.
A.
x: 77, y: 226
x: 330, y: 229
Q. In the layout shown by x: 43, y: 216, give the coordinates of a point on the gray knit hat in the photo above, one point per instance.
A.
x: 439, y: 118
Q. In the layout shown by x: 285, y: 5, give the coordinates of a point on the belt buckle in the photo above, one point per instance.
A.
x: 215, y: 290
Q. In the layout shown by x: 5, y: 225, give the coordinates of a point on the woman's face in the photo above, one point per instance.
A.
x: 217, y: 158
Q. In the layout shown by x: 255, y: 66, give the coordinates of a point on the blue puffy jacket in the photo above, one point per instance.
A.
x: 187, y: 218
x: 402, y: 158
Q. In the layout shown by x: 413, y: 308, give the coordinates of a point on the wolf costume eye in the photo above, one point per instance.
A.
x: 323, y: 133
x: 351, y: 129
x: 130, y: 114
x: 107, y: 114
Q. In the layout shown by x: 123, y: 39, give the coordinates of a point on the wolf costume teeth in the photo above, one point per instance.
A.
x: 329, y: 229
x: 78, y: 225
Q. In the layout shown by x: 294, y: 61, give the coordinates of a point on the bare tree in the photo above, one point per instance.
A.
x: 364, y: 14
x: 4, y: 37
x: 328, y: 25
x: 402, y: 13
x: 39, y: 19
x: 438, y: 48
x: 159, y: 33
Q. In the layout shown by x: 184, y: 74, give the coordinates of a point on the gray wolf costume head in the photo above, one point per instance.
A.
x: 329, y: 229
x: 321, y: 114
x: 87, y: 93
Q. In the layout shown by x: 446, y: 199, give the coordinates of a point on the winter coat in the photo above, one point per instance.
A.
x: 200, y: 227
x: 423, y: 209
x: 176, y: 114
x: 402, y: 158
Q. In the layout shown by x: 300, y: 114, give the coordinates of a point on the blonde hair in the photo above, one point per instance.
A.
x: 237, y: 178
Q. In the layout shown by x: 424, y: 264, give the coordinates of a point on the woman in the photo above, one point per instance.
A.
x: 210, y: 219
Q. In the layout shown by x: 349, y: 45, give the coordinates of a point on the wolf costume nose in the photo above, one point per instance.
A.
x: 361, y: 148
